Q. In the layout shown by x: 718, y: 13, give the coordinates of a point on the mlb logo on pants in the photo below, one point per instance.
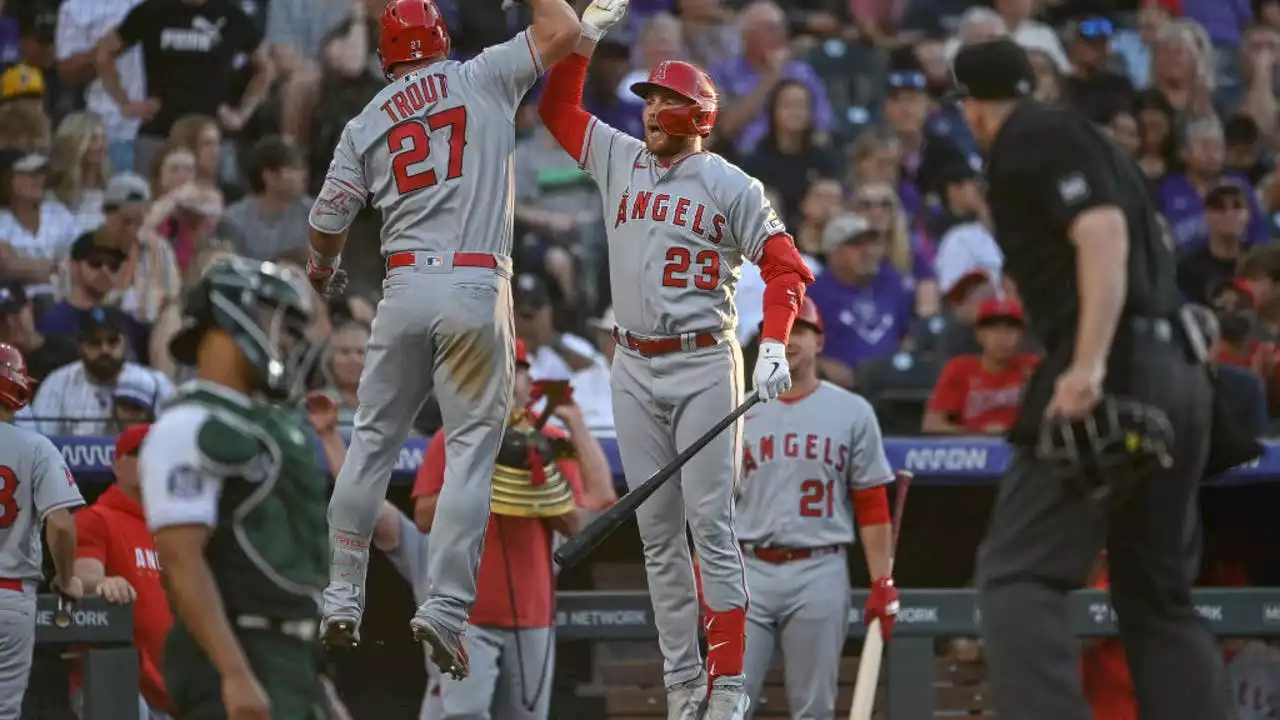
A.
x: 434, y: 261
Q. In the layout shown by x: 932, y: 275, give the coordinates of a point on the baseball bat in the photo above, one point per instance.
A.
x: 578, y: 546
x: 864, y: 690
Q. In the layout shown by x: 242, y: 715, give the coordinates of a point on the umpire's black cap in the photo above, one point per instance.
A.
x: 996, y: 69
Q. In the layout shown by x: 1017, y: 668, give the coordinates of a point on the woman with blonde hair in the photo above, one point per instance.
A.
x: 878, y: 202
x: 79, y: 167
x: 1182, y: 67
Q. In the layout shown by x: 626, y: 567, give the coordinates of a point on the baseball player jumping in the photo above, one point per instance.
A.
x: 35, y: 488
x: 432, y: 152
x: 681, y: 222
x: 813, y: 464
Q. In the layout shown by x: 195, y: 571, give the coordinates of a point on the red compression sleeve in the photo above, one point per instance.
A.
x: 871, y: 506
x: 785, y: 279
x: 561, y: 105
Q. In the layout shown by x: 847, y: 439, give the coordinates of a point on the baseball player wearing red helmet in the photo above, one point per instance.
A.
x: 681, y: 222
x: 813, y: 468
x: 35, y: 488
x: 432, y: 152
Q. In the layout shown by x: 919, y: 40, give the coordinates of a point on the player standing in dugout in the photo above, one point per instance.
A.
x: 1114, y: 434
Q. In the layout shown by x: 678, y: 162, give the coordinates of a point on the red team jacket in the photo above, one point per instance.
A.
x: 526, y: 543
x: 114, y: 532
x: 975, y: 398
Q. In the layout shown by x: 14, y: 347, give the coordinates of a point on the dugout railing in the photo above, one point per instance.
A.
x: 908, y: 672
x: 100, y: 636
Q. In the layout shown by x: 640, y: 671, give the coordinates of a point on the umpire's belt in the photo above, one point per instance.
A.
x: 443, y: 261
x: 303, y: 629
x: 779, y: 555
x: 652, y: 346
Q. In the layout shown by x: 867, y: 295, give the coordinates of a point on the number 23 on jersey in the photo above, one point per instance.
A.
x: 410, y: 146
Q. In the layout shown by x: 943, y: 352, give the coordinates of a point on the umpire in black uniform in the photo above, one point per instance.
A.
x: 1113, y: 437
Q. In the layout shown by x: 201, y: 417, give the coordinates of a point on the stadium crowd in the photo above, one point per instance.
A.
x: 141, y: 140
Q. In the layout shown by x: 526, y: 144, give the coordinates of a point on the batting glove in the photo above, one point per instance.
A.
x: 325, y: 276
x: 601, y: 15
x: 773, y: 375
x: 882, y: 604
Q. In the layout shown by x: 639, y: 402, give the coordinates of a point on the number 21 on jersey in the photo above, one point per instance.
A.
x: 410, y: 146
x: 818, y: 498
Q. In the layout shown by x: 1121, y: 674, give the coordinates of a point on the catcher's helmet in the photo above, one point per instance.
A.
x: 266, y: 308
x: 696, y: 118
x: 808, y: 314
x: 15, y: 384
x: 411, y: 30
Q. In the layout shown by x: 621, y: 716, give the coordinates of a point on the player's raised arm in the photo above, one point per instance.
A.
x: 554, y: 30
x: 561, y: 105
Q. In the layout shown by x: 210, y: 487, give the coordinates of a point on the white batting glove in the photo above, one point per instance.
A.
x: 601, y: 15
x: 773, y: 375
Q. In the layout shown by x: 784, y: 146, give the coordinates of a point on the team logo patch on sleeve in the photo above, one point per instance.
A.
x: 185, y: 481
x: 1073, y: 188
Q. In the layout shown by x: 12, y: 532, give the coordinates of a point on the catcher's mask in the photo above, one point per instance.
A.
x: 267, y: 309
x: 1123, y: 442
x: 526, y: 481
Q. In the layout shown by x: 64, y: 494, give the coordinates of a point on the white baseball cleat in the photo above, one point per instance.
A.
x: 727, y: 703
x: 684, y: 701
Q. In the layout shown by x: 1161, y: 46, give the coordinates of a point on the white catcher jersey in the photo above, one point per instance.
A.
x: 677, y: 234
x: 434, y: 151
x: 34, y: 481
x: 801, y: 461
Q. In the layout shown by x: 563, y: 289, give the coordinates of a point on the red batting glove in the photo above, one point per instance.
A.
x: 882, y: 603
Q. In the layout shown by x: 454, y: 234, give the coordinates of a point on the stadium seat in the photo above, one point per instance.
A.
x: 898, y: 387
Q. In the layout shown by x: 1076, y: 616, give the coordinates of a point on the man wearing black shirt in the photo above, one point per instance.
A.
x: 1080, y: 240
x: 1092, y: 87
x: 1226, y: 214
x: 190, y: 52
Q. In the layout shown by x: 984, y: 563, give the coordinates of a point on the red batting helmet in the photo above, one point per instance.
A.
x: 696, y: 118
x: 15, y: 385
x: 412, y: 30
x: 808, y: 314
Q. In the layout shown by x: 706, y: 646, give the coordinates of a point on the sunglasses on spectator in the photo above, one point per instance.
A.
x: 99, y: 263
x: 882, y: 203
x: 902, y: 80
x: 1096, y: 28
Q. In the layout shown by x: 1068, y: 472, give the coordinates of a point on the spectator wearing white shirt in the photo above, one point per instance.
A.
x: 1029, y: 33
x: 81, y: 24
x: 35, y: 230
x: 78, y: 399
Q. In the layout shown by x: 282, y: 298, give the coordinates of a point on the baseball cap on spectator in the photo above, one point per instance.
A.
x: 955, y: 289
x: 531, y: 294
x: 135, y: 396
x: 1089, y: 27
x: 97, y: 245
x: 1237, y: 285
x: 1222, y: 191
x: 21, y: 81
x: 101, y: 320
x: 130, y: 441
x: 993, y: 70
x: 126, y: 189
x: 995, y: 310
x: 847, y: 228
x: 13, y: 297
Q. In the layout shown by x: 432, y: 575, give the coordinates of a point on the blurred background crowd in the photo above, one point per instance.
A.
x: 140, y: 140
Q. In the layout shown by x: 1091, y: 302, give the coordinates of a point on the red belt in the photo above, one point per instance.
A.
x: 460, y: 259
x: 777, y: 555
x: 662, y: 346
x: 10, y: 584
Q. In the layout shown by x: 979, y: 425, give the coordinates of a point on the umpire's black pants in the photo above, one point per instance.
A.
x: 1043, y: 538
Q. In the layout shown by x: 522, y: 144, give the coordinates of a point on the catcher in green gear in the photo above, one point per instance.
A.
x: 236, y: 499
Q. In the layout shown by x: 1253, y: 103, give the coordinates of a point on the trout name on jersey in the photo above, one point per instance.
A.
x: 793, y: 445
x: 658, y: 207
x: 406, y: 103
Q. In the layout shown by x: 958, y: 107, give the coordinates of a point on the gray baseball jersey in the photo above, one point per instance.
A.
x: 677, y: 235
x: 801, y: 461
x: 34, y: 481
x: 433, y: 151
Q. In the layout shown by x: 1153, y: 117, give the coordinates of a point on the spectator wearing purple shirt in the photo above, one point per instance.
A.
x: 865, y: 303
x: 1224, y: 20
x: 1182, y: 194
x: 745, y: 83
